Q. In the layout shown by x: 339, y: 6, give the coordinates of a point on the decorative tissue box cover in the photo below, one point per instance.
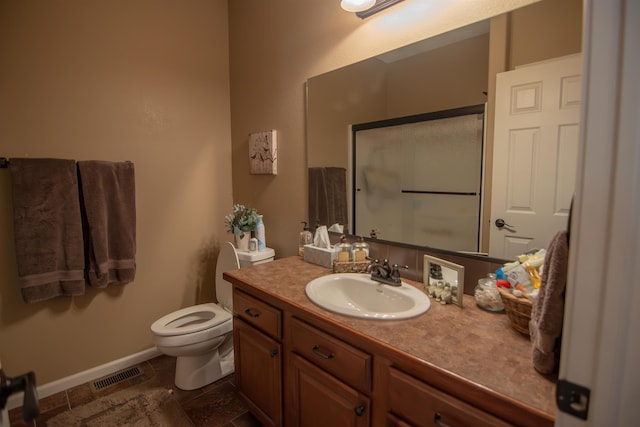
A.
x: 320, y: 256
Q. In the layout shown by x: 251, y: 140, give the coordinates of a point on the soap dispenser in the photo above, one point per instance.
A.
x: 360, y: 250
x: 306, y: 238
x: 344, y: 252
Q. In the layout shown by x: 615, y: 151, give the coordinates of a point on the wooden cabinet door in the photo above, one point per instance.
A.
x: 258, y: 370
x: 321, y: 400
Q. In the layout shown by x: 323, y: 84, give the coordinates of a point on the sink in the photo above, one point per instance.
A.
x: 356, y: 295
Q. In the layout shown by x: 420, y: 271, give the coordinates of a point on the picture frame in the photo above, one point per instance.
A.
x: 451, y: 274
x: 263, y: 153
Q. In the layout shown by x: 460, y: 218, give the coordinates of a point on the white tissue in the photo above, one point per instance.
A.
x: 321, y: 238
x: 337, y: 228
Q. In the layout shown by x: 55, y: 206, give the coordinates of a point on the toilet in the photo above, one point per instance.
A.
x: 201, y: 336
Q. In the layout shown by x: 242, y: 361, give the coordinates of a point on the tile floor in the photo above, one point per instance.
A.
x: 216, y: 404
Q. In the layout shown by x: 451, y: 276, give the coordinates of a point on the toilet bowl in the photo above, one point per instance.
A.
x: 201, y: 336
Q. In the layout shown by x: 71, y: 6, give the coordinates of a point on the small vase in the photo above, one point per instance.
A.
x: 242, y: 243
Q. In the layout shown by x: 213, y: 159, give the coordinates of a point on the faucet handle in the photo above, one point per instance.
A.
x: 395, y: 272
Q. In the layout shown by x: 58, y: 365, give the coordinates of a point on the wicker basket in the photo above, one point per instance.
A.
x: 518, y: 310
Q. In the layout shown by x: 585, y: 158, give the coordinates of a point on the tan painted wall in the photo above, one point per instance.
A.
x: 275, y: 47
x: 146, y: 81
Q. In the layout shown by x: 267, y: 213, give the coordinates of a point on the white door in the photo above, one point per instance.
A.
x: 534, y: 154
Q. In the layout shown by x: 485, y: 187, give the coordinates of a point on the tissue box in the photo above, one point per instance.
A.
x: 320, y: 256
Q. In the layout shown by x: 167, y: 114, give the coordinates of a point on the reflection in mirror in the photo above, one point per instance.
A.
x: 418, y: 178
x: 452, y: 70
x: 443, y: 280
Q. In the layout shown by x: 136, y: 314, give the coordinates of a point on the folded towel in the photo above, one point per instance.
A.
x: 109, y: 214
x: 47, y: 227
x: 547, y: 313
x: 328, y: 195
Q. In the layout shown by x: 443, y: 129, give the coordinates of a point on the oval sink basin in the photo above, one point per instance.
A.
x: 356, y: 295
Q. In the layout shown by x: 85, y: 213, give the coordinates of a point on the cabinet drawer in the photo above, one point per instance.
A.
x: 422, y: 405
x: 349, y: 364
x: 259, y: 314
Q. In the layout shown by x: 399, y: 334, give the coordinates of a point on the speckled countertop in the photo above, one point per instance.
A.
x: 469, y: 342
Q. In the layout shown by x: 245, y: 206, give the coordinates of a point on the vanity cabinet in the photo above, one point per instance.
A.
x: 413, y: 402
x: 258, y: 357
x: 298, y: 365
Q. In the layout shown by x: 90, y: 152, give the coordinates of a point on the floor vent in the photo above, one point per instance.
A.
x: 116, y: 378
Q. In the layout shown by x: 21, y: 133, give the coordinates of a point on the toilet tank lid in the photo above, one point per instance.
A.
x: 255, y: 256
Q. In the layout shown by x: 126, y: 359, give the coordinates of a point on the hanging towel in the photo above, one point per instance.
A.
x: 545, y: 326
x: 109, y: 216
x: 328, y: 196
x: 47, y: 228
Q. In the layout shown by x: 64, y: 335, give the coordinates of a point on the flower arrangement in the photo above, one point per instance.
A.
x: 241, y: 219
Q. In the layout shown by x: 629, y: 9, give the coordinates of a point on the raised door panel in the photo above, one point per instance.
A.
x: 320, y: 400
x: 258, y: 361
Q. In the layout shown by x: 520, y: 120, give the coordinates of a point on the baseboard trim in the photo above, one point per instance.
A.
x: 62, y: 384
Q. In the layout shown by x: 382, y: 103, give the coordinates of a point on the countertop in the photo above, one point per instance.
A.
x: 468, y: 342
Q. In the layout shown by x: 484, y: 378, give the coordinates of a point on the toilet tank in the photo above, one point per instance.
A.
x: 247, y: 258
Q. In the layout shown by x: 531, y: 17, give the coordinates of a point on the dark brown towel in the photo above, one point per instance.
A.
x: 328, y: 196
x: 547, y: 313
x: 47, y: 228
x: 109, y: 210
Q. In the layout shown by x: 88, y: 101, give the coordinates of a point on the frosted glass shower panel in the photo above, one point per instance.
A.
x: 418, y: 179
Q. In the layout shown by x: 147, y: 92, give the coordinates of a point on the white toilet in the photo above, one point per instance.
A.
x: 201, y: 336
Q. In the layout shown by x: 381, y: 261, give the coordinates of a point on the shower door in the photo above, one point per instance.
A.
x: 417, y: 179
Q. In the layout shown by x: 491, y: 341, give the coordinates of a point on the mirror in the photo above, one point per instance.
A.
x: 448, y: 71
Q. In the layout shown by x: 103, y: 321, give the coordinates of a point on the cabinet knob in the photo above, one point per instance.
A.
x: 359, y: 410
x: 274, y: 352
x: 437, y: 420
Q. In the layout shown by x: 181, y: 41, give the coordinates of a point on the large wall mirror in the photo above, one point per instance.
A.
x: 453, y: 70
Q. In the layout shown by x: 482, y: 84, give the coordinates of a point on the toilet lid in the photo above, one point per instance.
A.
x: 227, y: 260
x: 191, y: 319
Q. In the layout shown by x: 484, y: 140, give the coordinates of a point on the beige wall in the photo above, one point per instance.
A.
x: 145, y: 81
x: 148, y: 81
x: 275, y: 46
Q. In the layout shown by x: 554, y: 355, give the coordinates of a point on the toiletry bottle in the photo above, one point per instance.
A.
x: 306, y: 238
x: 344, y: 254
x: 262, y: 243
x: 359, y: 250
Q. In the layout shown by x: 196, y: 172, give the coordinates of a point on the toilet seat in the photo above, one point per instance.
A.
x: 190, y: 320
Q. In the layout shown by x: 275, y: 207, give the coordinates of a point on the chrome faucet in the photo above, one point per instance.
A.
x: 385, y: 273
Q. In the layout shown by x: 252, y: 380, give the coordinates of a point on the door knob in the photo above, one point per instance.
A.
x: 500, y: 223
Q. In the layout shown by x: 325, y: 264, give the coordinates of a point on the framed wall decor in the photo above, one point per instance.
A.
x: 439, y: 273
x: 263, y: 153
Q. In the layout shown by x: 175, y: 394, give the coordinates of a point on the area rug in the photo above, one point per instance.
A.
x: 153, y: 407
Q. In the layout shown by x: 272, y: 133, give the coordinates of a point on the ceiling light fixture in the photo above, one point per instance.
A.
x: 366, y: 8
x: 357, y: 5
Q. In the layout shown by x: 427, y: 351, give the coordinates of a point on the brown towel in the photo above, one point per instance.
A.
x: 328, y: 196
x: 47, y: 228
x: 547, y: 312
x: 109, y: 211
